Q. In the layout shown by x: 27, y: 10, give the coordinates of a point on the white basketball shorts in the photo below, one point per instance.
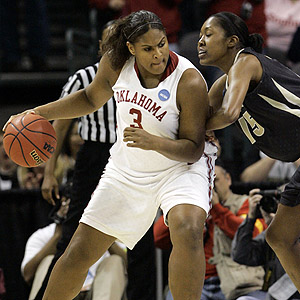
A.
x: 125, y: 207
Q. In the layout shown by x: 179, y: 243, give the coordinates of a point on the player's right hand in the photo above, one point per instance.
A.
x: 50, y: 185
x: 29, y: 111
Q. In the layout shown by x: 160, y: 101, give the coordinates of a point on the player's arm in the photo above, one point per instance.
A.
x: 215, y: 94
x: 82, y: 102
x: 245, y: 70
x: 49, y: 181
x: 258, y: 171
x: 192, y: 101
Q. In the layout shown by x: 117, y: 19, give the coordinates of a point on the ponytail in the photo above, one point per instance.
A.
x: 255, y: 41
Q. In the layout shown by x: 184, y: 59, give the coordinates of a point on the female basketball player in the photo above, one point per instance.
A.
x: 263, y: 97
x: 160, y: 158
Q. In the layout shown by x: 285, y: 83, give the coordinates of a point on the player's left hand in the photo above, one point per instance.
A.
x: 138, y: 138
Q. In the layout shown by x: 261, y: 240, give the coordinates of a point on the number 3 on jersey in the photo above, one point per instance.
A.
x: 137, y: 115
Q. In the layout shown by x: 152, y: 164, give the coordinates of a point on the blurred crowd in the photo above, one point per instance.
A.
x: 239, y: 263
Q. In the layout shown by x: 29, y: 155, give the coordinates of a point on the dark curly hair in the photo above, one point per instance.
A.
x: 129, y: 28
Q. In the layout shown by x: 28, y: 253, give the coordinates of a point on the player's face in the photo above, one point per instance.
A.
x: 212, y: 44
x: 151, y: 52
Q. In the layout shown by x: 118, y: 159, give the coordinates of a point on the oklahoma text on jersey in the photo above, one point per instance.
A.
x: 141, y: 100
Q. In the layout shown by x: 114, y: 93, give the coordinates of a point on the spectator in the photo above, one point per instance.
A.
x: 256, y: 252
x: 106, y: 279
x: 269, y: 169
x: 37, y: 33
x: 282, y: 20
x: 8, y: 170
x: 30, y: 178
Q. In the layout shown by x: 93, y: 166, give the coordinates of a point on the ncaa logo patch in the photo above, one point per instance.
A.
x: 163, y: 95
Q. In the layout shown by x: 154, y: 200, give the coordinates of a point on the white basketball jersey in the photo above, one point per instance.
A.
x: 153, y: 109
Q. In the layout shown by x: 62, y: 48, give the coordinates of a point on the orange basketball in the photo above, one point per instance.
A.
x: 29, y: 140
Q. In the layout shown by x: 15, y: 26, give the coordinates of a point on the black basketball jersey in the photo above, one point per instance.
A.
x: 270, y: 115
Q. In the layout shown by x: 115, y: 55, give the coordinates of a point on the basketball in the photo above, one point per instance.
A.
x: 29, y: 140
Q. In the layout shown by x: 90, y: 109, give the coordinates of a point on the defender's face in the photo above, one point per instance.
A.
x: 151, y: 52
x: 212, y: 44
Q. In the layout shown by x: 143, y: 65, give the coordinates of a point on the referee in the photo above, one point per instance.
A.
x: 98, y: 130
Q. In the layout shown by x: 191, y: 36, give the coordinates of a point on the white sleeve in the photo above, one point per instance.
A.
x: 36, y: 242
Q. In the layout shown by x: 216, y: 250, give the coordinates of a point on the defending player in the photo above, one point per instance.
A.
x: 263, y: 97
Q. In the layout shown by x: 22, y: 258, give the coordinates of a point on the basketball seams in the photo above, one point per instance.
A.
x: 12, y: 143
x: 33, y: 131
x: 24, y: 127
x: 38, y: 148
x: 44, y: 133
x: 21, y: 150
x: 16, y: 138
x: 28, y: 139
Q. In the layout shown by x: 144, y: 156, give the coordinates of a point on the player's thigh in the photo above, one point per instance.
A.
x: 286, y: 224
x: 88, y: 245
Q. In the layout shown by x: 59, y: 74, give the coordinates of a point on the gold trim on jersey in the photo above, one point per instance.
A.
x: 290, y: 97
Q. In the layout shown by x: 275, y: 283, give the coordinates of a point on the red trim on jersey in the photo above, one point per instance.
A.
x: 210, y: 177
x: 171, y: 66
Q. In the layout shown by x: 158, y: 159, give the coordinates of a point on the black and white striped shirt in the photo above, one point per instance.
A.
x: 99, y: 126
